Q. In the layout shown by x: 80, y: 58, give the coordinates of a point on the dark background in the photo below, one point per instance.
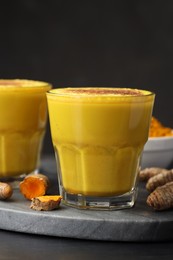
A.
x: 126, y: 43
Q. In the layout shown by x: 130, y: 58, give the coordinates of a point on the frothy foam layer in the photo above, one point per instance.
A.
x: 109, y: 92
x: 20, y: 83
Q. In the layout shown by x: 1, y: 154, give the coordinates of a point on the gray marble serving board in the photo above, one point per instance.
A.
x: 140, y: 223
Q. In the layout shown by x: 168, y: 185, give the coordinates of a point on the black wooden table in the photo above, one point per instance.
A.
x: 24, y: 246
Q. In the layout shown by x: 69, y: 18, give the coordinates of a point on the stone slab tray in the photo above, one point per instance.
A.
x: 137, y: 224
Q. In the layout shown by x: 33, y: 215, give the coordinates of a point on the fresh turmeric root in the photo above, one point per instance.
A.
x: 147, y: 173
x: 34, y: 185
x: 162, y: 197
x: 6, y: 191
x: 46, y: 203
x: 159, y: 180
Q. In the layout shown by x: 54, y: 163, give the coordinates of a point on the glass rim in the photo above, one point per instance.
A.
x: 73, y: 95
x: 23, y: 84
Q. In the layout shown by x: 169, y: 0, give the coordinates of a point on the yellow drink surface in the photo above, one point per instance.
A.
x: 23, y: 116
x: 98, y: 135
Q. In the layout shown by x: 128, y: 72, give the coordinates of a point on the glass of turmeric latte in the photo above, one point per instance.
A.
x: 98, y: 136
x: 23, y: 116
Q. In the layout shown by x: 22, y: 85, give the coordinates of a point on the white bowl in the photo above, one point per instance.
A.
x: 158, y: 152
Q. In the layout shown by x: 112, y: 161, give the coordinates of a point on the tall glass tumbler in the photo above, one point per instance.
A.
x: 98, y: 136
x: 23, y: 117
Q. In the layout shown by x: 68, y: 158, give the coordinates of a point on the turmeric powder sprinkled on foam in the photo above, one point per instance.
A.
x: 159, y: 130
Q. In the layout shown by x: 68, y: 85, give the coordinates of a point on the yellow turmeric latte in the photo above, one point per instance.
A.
x: 98, y: 135
x: 23, y: 115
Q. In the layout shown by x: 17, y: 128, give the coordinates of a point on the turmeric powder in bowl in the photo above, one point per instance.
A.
x: 157, y: 129
x: 158, y: 151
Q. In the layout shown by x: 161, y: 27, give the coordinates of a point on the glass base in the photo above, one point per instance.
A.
x: 79, y: 201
